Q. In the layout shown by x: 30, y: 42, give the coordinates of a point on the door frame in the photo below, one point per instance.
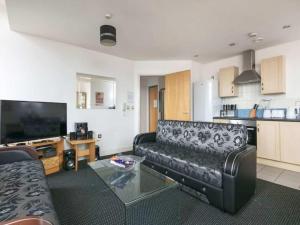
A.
x: 153, y: 86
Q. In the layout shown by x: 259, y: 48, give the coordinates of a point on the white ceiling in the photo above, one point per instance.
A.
x: 160, y: 29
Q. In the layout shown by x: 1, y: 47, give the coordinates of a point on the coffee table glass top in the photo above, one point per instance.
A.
x: 134, y: 185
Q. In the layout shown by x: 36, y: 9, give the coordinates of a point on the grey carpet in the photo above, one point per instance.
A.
x: 83, y: 199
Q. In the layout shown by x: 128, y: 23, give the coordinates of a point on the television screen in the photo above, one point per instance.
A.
x: 24, y: 121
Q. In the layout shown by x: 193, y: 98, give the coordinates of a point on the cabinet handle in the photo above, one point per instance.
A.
x: 232, y: 89
x: 258, y: 129
x: 262, y: 83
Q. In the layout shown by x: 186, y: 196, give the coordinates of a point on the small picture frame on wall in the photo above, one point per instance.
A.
x: 99, y: 100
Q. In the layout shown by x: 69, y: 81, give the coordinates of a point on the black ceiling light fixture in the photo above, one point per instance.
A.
x: 108, y: 35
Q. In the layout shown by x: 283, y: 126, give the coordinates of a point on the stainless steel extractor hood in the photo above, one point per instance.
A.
x: 249, y: 74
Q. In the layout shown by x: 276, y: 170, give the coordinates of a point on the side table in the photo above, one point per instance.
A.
x: 89, y: 152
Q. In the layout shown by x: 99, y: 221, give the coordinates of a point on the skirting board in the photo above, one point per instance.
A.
x: 281, y: 165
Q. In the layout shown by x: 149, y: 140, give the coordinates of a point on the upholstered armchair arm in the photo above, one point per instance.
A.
x: 234, y: 158
x: 144, y: 138
x: 239, y: 178
x: 16, y: 154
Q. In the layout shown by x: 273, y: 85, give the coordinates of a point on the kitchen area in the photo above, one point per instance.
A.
x: 273, y: 125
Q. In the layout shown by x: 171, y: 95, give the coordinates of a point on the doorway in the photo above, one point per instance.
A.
x: 151, y: 102
x: 153, y: 108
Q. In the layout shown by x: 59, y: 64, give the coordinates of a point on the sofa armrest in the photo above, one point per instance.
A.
x: 239, y: 178
x: 144, y: 138
x: 16, y: 154
x: 234, y: 158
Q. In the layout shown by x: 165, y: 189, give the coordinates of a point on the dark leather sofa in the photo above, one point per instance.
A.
x: 24, y: 194
x: 211, y: 158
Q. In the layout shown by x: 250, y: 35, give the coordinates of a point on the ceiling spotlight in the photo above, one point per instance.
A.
x: 108, y: 35
x: 108, y: 16
x: 252, y: 35
x: 286, y: 27
x: 258, y: 39
x: 232, y: 44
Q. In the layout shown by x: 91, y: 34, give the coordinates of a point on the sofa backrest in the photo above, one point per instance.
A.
x: 204, y: 136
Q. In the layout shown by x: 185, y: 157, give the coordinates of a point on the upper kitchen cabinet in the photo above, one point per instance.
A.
x: 226, y: 78
x: 273, y: 75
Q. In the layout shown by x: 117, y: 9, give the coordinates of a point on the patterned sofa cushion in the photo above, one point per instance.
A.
x: 24, y: 192
x: 202, y: 135
x: 201, y: 165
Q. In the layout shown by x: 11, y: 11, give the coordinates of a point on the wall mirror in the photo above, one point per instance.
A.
x: 95, y: 92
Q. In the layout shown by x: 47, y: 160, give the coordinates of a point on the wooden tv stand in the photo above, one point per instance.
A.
x: 51, y: 164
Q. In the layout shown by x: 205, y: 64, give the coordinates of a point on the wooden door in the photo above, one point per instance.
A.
x: 290, y: 142
x: 273, y: 75
x: 268, y: 140
x: 178, y: 96
x: 226, y: 78
x: 153, y: 108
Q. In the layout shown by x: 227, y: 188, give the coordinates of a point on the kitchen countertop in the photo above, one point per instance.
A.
x: 257, y: 119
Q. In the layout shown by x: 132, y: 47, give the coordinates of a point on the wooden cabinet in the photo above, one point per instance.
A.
x: 51, y: 165
x: 178, y: 96
x: 226, y: 78
x: 54, y: 163
x: 290, y: 142
x: 268, y: 140
x: 273, y: 75
x: 221, y: 121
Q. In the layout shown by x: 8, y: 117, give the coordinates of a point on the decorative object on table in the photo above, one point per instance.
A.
x: 123, y: 162
x: 81, y: 130
x: 99, y: 98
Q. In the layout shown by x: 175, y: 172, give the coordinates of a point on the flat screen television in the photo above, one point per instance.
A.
x: 23, y: 120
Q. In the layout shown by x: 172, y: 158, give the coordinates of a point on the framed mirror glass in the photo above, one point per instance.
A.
x: 95, y: 92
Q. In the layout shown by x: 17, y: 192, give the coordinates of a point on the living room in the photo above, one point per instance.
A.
x: 234, y: 156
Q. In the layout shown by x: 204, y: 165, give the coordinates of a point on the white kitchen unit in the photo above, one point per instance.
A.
x: 206, y: 103
x: 278, y: 144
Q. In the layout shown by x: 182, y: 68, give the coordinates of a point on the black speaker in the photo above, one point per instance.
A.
x: 69, y: 159
x: 97, y: 151
x: 90, y: 134
x: 73, y: 136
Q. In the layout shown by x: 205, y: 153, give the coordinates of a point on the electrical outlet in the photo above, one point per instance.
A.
x: 99, y: 136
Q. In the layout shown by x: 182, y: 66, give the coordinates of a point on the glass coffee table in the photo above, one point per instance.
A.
x: 148, y: 196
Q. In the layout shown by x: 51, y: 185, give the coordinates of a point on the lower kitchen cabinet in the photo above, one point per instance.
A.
x: 290, y: 142
x: 268, y: 145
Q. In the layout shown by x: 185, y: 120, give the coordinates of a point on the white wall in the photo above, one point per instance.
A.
x: 37, y: 69
x: 249, y: 94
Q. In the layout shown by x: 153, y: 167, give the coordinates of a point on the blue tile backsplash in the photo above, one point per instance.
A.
x: 245, y: 113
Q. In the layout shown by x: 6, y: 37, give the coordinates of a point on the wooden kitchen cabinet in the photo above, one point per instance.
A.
x: 226, y: 78
x: 273, y: 75
x: 290, y: 142
x: 268, y: 140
